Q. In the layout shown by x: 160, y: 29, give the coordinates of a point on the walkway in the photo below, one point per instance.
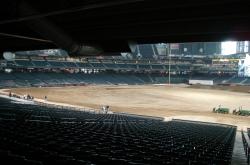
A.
x: 239, y: 157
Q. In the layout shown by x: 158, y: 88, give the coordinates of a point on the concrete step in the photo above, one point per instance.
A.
x: 239, y: 157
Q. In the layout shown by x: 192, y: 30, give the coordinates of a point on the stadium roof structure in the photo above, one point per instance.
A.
x: 99, y: 27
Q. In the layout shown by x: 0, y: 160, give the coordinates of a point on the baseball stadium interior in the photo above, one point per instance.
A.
x: 133, y: 82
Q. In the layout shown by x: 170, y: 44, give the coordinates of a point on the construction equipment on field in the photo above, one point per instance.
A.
x: 241, y: 112
x: 221, y: 110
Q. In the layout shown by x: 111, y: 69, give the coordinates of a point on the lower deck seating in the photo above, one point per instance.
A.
x: 23, y: 79
x: 36, y: 135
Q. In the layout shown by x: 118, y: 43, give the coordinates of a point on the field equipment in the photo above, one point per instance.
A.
x: 241, y: 112
x: 221, y: 110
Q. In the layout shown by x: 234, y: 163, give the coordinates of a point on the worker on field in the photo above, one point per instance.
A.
x: 107, y: 109
x: 103, y: 109
x: 28, y: 97
x: 45, y: 98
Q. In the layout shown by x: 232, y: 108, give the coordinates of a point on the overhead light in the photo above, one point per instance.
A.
x: 9, y: 56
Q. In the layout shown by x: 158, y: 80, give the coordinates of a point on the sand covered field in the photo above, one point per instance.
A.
x: 192, y: 103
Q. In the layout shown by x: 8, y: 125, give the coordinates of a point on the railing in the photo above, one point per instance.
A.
x: 246, y: 147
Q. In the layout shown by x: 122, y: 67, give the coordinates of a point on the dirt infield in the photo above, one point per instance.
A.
x: 163, y: 101
x: 233, y: 88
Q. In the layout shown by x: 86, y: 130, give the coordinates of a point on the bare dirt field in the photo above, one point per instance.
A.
x: 233, y: 88
x: 181, y: 102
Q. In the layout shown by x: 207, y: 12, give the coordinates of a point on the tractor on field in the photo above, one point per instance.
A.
x: 222, y: 110
x: 241, y: 112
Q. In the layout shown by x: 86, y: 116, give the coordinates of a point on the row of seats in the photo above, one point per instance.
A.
x: 129, y: 65
x: 92, y: 65
x: 32, y: 134
x: 19, y: 79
